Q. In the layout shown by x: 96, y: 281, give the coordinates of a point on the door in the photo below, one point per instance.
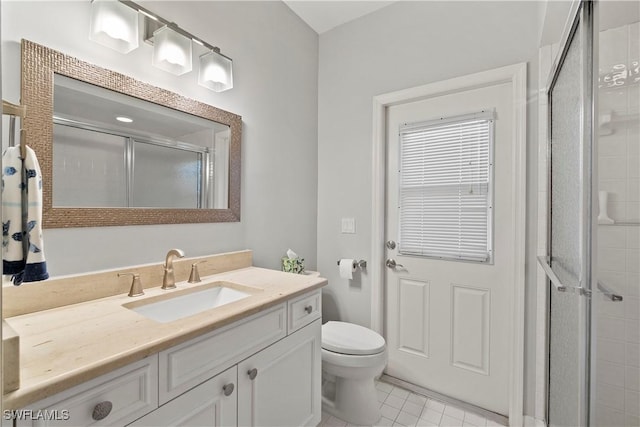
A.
x: 448, y: 312
x: 213, y: 403
x: 568, y: 264
x: 280, y: 385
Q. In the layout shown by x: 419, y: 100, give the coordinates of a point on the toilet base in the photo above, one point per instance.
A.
x: 352, y: 400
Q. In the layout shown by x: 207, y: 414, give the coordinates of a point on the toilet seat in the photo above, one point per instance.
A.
x: 351, y: 339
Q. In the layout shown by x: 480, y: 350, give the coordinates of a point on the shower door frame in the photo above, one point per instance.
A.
x: 583, y: 12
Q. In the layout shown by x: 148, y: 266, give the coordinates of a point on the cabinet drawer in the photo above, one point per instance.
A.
x: 304, y: 310
x: 132, y: 392
x: 185, y: 366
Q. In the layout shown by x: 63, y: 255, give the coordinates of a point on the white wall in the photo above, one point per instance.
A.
x: 404, y: 45
x: 275, y: 75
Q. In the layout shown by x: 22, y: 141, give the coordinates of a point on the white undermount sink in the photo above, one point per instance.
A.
x: 184, y: 303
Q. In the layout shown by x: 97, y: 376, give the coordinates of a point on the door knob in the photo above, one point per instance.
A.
x: 391, y: 263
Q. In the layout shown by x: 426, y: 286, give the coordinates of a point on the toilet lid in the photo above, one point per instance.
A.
x: 348, y: 338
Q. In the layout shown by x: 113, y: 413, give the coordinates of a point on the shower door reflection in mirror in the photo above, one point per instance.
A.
x: 116, y: 151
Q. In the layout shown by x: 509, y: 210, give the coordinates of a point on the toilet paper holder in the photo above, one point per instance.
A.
x: 360, y: 264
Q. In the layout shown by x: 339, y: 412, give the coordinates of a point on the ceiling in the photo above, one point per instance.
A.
x: 323, y: 15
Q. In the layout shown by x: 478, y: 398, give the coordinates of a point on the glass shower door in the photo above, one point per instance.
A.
x: 568, y: 264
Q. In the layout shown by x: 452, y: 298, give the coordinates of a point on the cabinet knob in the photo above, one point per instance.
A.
x: 101, y: 410
x: 308, y: 309
x: 252, y: 373
x: 228, y: 389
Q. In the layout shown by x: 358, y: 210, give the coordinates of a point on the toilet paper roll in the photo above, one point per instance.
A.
x: 347, y: 267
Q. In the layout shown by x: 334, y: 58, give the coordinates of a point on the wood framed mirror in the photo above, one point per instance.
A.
x: 58, y: 91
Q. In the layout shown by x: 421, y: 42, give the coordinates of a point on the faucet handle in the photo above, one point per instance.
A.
x: 136, y: 285
x: 194, y: 277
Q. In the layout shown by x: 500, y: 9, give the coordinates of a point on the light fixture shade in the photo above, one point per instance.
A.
x: 114, y: 25
x: 216, y: 72
x: 171, y: 51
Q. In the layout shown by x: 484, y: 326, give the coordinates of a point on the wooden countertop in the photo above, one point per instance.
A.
x: 66, y: 346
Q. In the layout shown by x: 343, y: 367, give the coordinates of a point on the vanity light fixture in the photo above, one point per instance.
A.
x: 172, y: 46
x: 114, y: 25
x: 171, y: 51
x: 216, y: 71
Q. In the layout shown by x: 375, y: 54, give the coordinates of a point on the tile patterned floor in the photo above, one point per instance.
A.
x: 400, y: 407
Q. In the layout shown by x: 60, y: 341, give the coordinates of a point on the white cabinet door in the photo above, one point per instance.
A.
x: 212, y: 403
x: 280, y: 386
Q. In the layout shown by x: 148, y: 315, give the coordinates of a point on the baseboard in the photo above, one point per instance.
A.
x: 529, y: 421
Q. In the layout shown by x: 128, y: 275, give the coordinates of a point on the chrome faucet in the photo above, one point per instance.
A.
x: 169, y: 280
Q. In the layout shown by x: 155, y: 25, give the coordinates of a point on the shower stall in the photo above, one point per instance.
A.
x: 593, y: 234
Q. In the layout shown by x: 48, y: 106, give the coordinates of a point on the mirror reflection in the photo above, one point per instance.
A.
x: 111, y: 150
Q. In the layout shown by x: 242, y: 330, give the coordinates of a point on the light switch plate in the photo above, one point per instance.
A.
x: 348, y: 226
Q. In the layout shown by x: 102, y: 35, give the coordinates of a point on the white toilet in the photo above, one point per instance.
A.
x: 352, y: 356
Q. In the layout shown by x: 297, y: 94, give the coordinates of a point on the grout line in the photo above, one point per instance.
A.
x: 446, y: 399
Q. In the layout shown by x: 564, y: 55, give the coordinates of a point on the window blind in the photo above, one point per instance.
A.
x: 445, y: 197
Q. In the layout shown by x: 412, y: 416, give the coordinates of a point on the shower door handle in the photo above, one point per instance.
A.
x: 557, y: 283
x: 608, y: 292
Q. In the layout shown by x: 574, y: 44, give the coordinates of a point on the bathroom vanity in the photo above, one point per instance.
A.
x: 255, y: 361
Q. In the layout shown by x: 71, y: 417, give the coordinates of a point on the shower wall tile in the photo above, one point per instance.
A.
x: 634, y: 167
x: 632, y: 421
x: 613, y: 351
x: 633, y: 212
x: 611, y: 396
x: 633, y: 237
x: 618, y: 323
x: 610, y: 373
x: 632, y: 331
x: 617, y: 211
x: 632, y: 355
x: 611, y: 327
x: 634, y: 41
x: 612, y: 237
x: 612, y: 259
x: 633, y: 190
x: 605, y: 307
x: 612, y: 167
x: 632, y: 378
x: 616, y: 41
x: 633, y: 258
x: 613, y: 101
x: 633, y: 284
x: 633, y: 148
x: 634, y: 99
x: 617, y: 189
x: 632, y: 308
x: 632, y: 403
x: 606, y: 416
x: 615, y: 279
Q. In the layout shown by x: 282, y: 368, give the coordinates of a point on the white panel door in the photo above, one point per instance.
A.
x: 447, y: 322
